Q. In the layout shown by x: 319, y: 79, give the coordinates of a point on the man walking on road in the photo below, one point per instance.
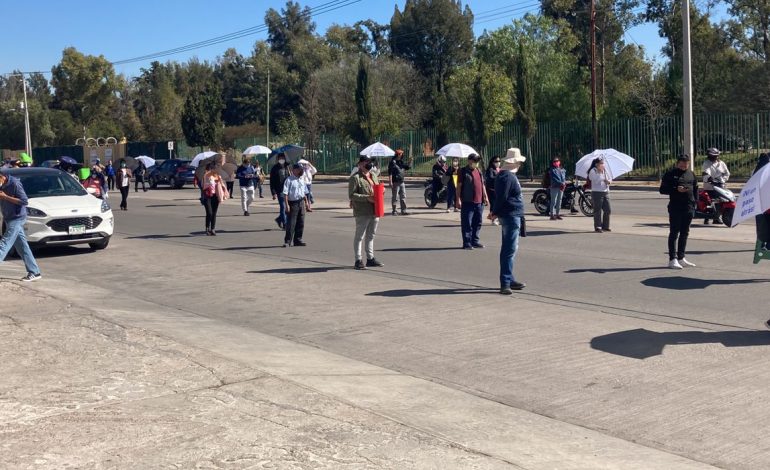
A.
x: 509, y: 210
x: 680, y: 185
x: 361, y: 195
x: 246, y: 174
x: 13, y: 206
x: 278, y: 174
x: 471, y: 197
x: 396, y: 172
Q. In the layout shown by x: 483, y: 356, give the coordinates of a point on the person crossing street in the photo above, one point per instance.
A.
x: 681, y: 186
x: 13, y: 206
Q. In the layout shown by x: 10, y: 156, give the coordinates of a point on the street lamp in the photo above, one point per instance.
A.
x: 687, y: 84
x: 27, y: 133
x: 267, y: 109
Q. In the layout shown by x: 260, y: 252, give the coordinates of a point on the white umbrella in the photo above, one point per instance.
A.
x: 378, y: 149
x: 755, y: 196
x: 257, y: 150
x: 147, y: 161
x: 200, y: 157
x: 615, y: 163
x: 456, y: 150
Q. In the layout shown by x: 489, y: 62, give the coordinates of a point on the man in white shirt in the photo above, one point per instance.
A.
x: 295, y: 194
x: 715, y: 172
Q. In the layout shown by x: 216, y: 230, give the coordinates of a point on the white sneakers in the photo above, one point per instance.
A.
x: 679, y: 264
x: 674, y: 264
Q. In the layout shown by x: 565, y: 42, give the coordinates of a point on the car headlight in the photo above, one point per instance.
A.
x: 105, y: 206
x: 32, y: 212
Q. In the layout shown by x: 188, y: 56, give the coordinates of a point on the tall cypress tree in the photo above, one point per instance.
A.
x: 362, y: 132
x: 525, y: 102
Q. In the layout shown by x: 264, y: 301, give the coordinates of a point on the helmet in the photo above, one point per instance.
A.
x: 712, y: 152
x: 441, y: 158
x: 24, y: 158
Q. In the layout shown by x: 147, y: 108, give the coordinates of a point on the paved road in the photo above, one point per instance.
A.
x: 432, y: 311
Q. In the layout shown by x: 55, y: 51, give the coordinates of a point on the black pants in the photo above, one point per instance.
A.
x: 140, y: 179
x: 110, y: 183
x: 679, y: 228
x: 230, y: 186
x: 212, y: 206
x: 124, y: 197
x: 295, y: 225
x: 437, y: 187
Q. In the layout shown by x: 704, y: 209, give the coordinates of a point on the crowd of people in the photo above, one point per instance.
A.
x: 468, y: 191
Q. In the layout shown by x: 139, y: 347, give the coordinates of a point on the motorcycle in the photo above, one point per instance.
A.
x: 429, y: 194
x: 573, y: 193
x: 721, y: 206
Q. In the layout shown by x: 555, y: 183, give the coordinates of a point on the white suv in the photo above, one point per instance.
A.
x: 61, y: 212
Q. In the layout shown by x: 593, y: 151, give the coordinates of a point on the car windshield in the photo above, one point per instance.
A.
x: 51, y: 185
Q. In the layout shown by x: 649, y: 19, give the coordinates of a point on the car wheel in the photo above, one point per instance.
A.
x: 101, y: 244
x: 172, y: 182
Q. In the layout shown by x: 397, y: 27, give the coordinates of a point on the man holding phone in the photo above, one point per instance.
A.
x: 680, y: 185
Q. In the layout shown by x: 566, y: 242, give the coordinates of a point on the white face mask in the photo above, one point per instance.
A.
x: 281, y: 161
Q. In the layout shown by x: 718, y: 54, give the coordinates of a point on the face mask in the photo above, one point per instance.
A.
x: 496, y: 164
x: 474, y: 165
x: 368, y: 166
x: 122, y: 165
x: 281, y: 161
x: 556, y: 164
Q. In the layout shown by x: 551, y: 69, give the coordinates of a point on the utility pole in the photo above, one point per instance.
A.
x: 27, y: 133
x: 594, y: 123
x: 267, y: 118
x: 687, y: 84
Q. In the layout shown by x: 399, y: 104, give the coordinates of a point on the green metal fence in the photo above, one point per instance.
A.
x: 654, y: 144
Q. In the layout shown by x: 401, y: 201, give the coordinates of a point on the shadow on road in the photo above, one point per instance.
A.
x: 611, y: 270
x: 642, y: 343
x: 419, y: 292
x: 164, y: 236
x: 540, y: 233
x: 167, y: 205
x: 716, y: 252
x: 688, y: 283
x: 457, y: 225
x: 245, y: 248
x: 432, y: 248
x: 308, y: 270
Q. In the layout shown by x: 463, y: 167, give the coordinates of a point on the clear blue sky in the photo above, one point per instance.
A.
x: 35, y: 37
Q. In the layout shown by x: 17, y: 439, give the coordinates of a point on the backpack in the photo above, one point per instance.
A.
x: 546, y: 179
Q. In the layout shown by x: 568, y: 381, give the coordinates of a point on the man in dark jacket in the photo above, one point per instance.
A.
x: 278, y: 174
x: 438, y: 173
x: 396, y: 172
x: 509, y: 210
x: 681, y: 186
x: 13, y: 206
x: 489, y: 182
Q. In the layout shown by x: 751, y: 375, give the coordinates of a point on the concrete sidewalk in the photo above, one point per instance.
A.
x: 134, y: 384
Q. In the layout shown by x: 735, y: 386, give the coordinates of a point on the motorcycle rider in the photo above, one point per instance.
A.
x: 438, y: 173
x: 714, y: 172
x: 681, y: 186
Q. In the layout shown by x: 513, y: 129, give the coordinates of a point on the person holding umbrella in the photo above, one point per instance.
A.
x: 397, y: 169
x: 139, y: 174
x: 509, y: 210
x: 308, y: 170
x: 278, y: 174
x: 471, y: 198
x: 600, y: 195
x: 681, y: 186
x: 361, y: 195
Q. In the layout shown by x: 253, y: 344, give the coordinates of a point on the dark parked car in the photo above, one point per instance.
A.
x: 170, y: 172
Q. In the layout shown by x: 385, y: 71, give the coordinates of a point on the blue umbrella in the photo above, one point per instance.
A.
x: 292, y: 152
x: 69, y: 160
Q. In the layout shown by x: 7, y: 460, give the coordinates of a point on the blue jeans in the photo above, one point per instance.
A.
x: 281, y: 210
x: 15, y: 238
x: 470, y: 222
x: 556, y: 194
x: 510, y: 226
x: 310, y: 194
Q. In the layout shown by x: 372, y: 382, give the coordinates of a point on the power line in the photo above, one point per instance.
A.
x: 320, y: 9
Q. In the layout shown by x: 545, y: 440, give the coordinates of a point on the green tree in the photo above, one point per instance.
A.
x: 158, y: 107
x: 288, y: 129
x: 750, y: 27
x: 85, y: 86
x: 525, y: 102
x: 362, y: 130
x: 483, y: 97
x: 202, y: 116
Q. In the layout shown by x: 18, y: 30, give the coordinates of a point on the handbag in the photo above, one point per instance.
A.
x: 210, y: 190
